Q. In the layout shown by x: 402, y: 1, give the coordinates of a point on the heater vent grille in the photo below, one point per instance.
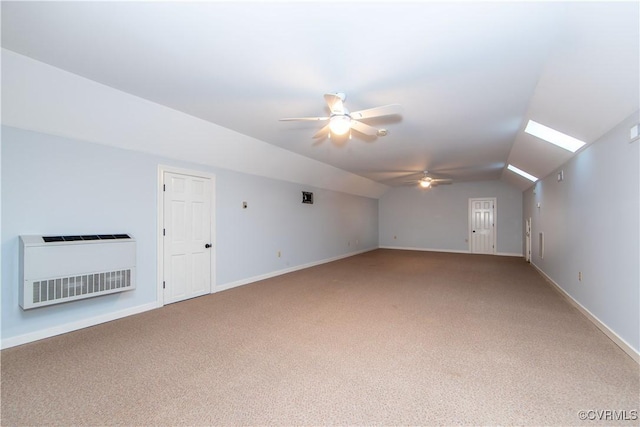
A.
x: 61, y: 289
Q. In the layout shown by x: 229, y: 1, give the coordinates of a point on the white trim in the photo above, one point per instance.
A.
x: 494, y: 233
x: 74, y: 326
x: 619, y: 341
x: 453, y: 251
x: 160, y: 221
x: 527, y: 239
x: 509, y: 254
x: 401, y: 248
x: 159, y: 239
x: 287, y: 270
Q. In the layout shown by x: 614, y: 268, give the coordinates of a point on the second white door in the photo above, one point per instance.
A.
x: 482, y: 225
x: 187, y: 236
x: 527, y: 236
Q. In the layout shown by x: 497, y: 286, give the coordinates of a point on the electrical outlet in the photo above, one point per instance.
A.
x: 279, y: 254
x: 395, y: 237
x: 579, y: 276
x: 244, y: 205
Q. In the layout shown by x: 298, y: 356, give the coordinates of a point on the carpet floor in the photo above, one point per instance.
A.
x: 387, y: 337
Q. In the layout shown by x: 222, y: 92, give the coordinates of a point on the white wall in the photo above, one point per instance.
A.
x: 81, y: 157
x: 37, y: 96
x: 438, y: 219
x: 590, y: 222
x: 277, y: 220
x: 57, y: 185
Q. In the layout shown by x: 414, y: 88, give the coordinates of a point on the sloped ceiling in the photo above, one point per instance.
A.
x: 469, y: 75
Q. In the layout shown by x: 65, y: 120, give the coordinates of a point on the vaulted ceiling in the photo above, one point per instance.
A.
x: 468, y: 75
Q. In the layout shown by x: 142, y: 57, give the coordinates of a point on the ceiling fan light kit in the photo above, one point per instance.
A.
x: 340, y: 125
x: 341, y: 121
x: 426, y: 182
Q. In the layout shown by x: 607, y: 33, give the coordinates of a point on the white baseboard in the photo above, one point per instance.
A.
x: 74, y: 326
x: 510, y: 254
x: 246, y: 281
x: 446, y: 250
x: 402, y: 248
x: 620, y: 342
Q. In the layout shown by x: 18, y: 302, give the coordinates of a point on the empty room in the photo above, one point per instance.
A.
x: 320, y: 213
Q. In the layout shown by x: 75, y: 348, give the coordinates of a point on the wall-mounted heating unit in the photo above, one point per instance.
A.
x: 57, y: 269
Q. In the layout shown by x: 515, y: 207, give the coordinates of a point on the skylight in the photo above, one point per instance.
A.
x: 522, y: 173
x: 553, y: 136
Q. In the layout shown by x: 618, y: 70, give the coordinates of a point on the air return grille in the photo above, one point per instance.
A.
x: 60, y: 270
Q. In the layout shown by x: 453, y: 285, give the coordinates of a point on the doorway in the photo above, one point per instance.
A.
x: 482, y: 229
x: 186, y: 252
x: 527, y: 239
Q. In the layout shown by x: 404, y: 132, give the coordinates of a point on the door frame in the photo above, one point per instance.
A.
x: 493, y: 229
x: 160, y: 221
x: 527, y: 239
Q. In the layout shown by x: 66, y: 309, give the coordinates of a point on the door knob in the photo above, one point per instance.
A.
x: 208, y: 245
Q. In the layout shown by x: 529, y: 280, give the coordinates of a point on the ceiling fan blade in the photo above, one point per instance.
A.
x: 322, y: 132
x: 385, y: 110
x: 441, y: 181
x: 363, y: 128
x: 335, y: 101
x: 306, y: 119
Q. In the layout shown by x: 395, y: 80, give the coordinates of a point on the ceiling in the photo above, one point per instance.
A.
x: 468, y: 75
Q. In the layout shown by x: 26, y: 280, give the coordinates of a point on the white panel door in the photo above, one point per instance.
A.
x: 527, y: 235
x: 481, y: 213
x: 187, y: 236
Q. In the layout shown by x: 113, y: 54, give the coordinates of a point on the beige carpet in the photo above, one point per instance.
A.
x: 382, y: 338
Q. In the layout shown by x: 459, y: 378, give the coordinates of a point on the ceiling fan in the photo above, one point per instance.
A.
x: 427, y: 182
x: 342, y: 121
